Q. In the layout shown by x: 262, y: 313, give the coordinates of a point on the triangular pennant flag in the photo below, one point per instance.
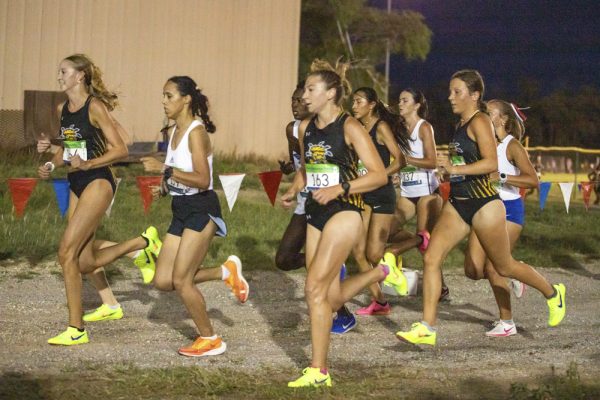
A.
x: 566, y: 188
x: 586, y: 188
x: 522, y: 192
x: 231, y: 186
x: 62, y: 191
x: 270, y: 181
x: 445, y: 190
x: 20, y: 190
x: 109, y: 209
x: 145, y: 184
x: 579, y: 187
x: 544, y: 190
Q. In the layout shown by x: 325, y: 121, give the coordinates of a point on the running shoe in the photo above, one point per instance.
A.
x: 311, y: 377
x: 145, y: 262
x: 425, y: 236
x: 154, y: 242
x: 235, y: 280
x: 557, y: 305
x: 204, y: 347
x: 395, y: 278
x: 70, y: 337
x: 517, y: 287
x: 343, y: 323
x: 502, y: 329
x: 375, y: 309
x: 103, y: 313
x: 418, y: 334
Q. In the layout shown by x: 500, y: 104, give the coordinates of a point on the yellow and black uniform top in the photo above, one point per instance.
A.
x: 76, y: 127
x: 463, y: 150
x: 328, y: 159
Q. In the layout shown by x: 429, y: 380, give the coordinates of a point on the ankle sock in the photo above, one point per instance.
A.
x: 213, y: 337
x: 224, y: 272
x: 507, y: 321
x: 381, y: 304
x: 431, y: 328
x: 115, y: 307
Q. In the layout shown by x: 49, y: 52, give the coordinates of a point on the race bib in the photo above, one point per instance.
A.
x: 362, y: 170
x: 410, y: 176
x: 321, y: 176
x: 74, y: 148
x: 457, y: 160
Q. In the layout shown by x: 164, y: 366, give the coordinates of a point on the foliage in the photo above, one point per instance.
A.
x: 351, y: 28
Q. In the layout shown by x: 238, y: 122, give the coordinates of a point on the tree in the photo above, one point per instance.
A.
x: 351, y: 28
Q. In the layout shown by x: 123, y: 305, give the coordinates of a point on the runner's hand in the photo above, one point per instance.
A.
x: 43, y: 144
x: 43, y: 172
x: 327, y: 194
x: 287, y: 167
x: 287, y: 200
x: 78, y: 163
x: 151, y: 164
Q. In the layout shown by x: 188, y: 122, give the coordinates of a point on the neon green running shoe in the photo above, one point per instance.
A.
x: 103, y: 313
x: 557, y: 306
x: 145, y: 262
x: 418, y: 334
x: 154, y: 242
x: 70, y: 337
x: 395, y: 278
x: 311, y: 377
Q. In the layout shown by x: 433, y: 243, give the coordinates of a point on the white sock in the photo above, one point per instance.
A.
x: 225, y: 272
x: 213, y: 337
x: 137, y: 253
x: 115, y: 307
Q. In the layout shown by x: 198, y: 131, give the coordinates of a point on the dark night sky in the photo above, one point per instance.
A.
x: 556, y: 43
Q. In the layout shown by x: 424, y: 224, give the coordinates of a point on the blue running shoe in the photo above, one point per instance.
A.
x: 343, y: 272
x: 343, y: 324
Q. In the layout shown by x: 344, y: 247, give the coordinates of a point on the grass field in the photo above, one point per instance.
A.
x: 255, y: 226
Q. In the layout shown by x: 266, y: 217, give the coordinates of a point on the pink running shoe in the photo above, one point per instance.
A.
x: 375, y: 309
x: 425, y: 243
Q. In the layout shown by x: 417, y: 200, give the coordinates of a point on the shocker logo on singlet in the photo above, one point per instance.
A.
x: 318, y: 153
x: 69, y: 133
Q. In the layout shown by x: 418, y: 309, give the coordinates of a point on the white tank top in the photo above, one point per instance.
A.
x: 181, y: 158
x: 507, y: 192
x: 414, y: 181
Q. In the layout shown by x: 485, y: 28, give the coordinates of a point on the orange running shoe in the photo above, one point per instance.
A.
x: 204, y: 347
x: 235, y: 280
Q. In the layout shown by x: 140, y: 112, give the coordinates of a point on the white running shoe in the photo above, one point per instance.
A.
x: 502, y: 329
x: 518, y: 288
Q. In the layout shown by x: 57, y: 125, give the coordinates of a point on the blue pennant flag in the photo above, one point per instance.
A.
x: 61, y: 189
x: 544, y: 189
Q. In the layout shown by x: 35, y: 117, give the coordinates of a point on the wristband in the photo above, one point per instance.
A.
x: 49, y: 166
x: 346, y: 187
x: 168, y: 173
x: 503, y: 178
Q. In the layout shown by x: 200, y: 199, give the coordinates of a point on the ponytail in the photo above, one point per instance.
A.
x: 334, y: 77
x: 199, y: 106
x: 93, y: 80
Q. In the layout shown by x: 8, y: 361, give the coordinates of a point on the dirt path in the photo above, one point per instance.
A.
x: 272, y: 329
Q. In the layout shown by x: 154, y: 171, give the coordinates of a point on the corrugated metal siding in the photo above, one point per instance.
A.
x: 242, y: 53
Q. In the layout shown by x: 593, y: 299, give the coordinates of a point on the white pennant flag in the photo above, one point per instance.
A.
x: 566, y: 188
x: 231, y: 186
x: 109, y: 209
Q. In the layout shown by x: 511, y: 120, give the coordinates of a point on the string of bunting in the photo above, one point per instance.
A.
x: 21, y: 190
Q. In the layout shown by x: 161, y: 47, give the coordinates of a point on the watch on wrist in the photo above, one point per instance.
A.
x: 503, y: 177
x: 168, y: 173
x: 346, y: 187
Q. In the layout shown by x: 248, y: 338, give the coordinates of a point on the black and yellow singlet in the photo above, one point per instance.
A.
x: 79, y: 135
x: 328, y: 159
x: 463, y: 150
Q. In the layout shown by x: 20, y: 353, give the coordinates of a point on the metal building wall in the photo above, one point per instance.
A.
x: 242, y: 53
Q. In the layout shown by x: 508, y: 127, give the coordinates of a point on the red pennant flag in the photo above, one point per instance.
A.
x: 586, y: 187
x: 145, y: 184
x: 522, y: 192
x: 271, y: 181
x: 20, y: 190
x: 445, y: 190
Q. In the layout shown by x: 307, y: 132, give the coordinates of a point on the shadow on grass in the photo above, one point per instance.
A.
x: 569, y: 263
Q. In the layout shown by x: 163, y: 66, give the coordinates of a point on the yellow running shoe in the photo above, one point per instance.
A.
x: 103, y: 313
x: 145, y: 262
x: 557, y: 306
x: 235, y: 280
x: 311, y: 377
x: 395, y: 278
x: 418, y: 334
x: 70, y: 337
x: 204, y: 347
x: 154, y: 242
